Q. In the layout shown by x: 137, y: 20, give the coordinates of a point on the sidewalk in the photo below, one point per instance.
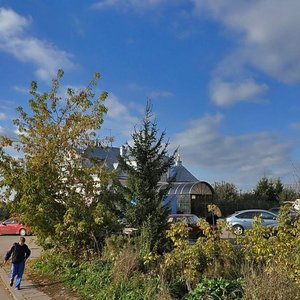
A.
x: 28, y: 289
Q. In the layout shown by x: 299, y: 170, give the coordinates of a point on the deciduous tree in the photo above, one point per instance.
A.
x: 61, y: 194
x: 225, y: 191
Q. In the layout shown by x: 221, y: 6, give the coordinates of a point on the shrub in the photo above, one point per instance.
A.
x: 98, y: 280
x: 113, y: 247
x: 264, y: 285
x: 221, y: 257
x: 51, y: 262
x: 126, y: 264
x: 138, y: 287
x: 210, y: 255
x: 185, y: 262
x: 273, y: 247
x: 218, y: 288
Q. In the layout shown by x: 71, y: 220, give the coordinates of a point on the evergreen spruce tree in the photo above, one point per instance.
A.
x: 145, y: 162
x: 269, y: 189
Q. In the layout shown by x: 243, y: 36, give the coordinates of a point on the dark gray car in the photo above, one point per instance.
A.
x: 243, y: 219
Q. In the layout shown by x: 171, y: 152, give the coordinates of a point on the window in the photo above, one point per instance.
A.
x: 267, y: 216
x: 246, y: 215
x: 11, y: 221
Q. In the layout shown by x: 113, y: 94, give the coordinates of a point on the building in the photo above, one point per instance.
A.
x: 187, y: 193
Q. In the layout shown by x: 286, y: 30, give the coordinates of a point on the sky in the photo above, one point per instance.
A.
x: 223, y: 75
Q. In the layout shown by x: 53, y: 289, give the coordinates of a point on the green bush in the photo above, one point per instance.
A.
x: 51, y: 262
x: 97, y: 279
x: 266, y: 259
x: 138, y: 287
x: 276, y: 247
x: 217, y: 288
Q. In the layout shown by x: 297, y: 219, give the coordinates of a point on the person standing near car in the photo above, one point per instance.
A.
x: 212, y: 219
x: 214, y: 213
x: 19, y: 253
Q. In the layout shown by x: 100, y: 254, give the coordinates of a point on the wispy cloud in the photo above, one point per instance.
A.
x: 266, y: 32
x: 228, y: 93
x: 160, y: 94
x: 21, y: 89
x: 241, y: 158
x: 295, y: 125
x: 150, y: 93
x: 46, y: 57
x: 125, y: 5
x: 120, y: 120
x: 3, y: 116
x: 9, y: 131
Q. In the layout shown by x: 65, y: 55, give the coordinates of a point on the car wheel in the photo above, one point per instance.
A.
x: 238, y: 229
x: 22, y: 232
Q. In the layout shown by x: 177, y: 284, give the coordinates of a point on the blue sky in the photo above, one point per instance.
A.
x: 223, y: 76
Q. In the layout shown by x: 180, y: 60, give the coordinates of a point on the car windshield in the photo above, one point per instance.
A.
x: 275, y: 210
x: 11, y: 221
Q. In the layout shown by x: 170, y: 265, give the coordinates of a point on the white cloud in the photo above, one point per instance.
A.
x: 160, y: 94
x: 152, y: 94
x: 227, y: 93
x: 130, y: 4
x: 295, y: 125
x: 133, y: 86
x: 105, y: 4
x: 241, y: 159
x: 267, y: 31
x: 120, y: 119
x: 2, y: 116
x: 13, y: 152
x: 46, y: 57
x: 11, y: 23
x: 9, y: 132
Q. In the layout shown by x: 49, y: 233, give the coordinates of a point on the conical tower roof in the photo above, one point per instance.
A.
x: 181, y: 173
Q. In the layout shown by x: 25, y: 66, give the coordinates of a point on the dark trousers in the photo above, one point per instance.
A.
x: 17, y: 270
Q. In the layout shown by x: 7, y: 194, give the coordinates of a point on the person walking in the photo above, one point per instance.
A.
x: 19, y: 253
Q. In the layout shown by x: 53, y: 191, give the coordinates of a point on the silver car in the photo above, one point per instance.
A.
x: 243, y: 219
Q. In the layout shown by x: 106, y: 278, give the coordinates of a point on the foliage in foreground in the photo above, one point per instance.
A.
x: 263, y: 265
x: 217, y: 288
x: 98, y: 279
x: 264, y: 284
x: 52, y: 185
x: 275, y: 248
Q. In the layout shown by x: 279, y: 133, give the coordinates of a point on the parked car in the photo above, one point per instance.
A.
x: 275, y: 210
x: 13, y: 226
x: 243, y: 219
x: 292, y: 214
x: 191, y: 220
